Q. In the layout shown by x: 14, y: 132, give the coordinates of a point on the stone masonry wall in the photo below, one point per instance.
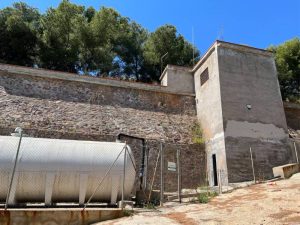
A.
x: 292, y: 113
x: 57, y: 108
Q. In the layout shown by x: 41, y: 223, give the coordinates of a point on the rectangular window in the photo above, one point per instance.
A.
x: 204, y: 76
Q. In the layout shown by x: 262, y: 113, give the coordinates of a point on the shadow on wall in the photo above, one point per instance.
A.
x: 292, y: 113
x: 239, y: 158
x: 73, y: 91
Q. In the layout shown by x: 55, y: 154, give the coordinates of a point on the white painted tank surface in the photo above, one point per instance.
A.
x: 62, y: 171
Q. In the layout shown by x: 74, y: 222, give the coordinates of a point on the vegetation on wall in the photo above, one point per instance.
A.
x: 197, y: 134
x: 287, y: 59
x: 83, y: 40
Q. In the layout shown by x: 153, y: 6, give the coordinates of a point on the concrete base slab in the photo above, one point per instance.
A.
x: 64, y: 216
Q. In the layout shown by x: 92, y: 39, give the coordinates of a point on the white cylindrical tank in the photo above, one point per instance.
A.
x: 55, y: 170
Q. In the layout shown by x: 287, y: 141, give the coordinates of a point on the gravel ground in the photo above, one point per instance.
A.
x: 264, y: 204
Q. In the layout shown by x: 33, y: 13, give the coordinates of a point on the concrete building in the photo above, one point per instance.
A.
x: 239, y: 106
x: 233, y: 92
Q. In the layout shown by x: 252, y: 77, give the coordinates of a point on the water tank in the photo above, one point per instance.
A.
x: 62, y: 171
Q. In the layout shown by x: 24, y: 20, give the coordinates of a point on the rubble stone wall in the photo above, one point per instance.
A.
x: 59, y: 108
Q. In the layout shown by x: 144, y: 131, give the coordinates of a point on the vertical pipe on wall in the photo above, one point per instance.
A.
x: 161, y: 174
x: 178, y: 175
x: 145, y: 177
x: 142, y: 167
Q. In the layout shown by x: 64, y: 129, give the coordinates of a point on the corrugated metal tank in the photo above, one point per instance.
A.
x: 54, y: 170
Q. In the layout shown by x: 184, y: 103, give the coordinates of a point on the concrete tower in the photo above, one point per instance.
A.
x: 239, y: 107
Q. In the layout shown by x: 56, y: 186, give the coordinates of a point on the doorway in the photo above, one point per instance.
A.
x: 215, y: 174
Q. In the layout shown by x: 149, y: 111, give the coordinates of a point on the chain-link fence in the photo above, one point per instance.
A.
x: 183, y: 171
x: 174, y: 170
x: 53, y: 173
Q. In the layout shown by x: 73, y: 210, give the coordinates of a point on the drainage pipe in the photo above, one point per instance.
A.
x: 142, y: 167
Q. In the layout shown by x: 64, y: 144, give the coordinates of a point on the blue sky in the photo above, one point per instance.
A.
x: 257, y: 23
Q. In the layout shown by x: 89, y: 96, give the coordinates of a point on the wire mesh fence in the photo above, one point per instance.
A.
x: 85, y: 173
x: 174, y: 169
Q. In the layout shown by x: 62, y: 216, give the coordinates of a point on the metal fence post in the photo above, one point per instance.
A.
x: 161, y: 174
x: 14, y: 168
x: 145, y: 167
x: 123, y: 178
x: 295, y: 147
x: 153, y: 177
x: 178, y: 175
x: 252, y: 165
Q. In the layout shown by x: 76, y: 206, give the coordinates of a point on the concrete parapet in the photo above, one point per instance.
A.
x: 286, y: 171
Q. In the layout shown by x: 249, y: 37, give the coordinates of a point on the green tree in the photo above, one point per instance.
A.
x: 60, y: 42
x: 89, y: 14
x: 18, y: 34
x: 107, y: 30
x: 167, y: 40
x: 287, y: 59
x: 130, y: 51
x: 102, y: 43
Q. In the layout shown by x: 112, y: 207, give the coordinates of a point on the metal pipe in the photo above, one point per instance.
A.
x: 161, y: 175
x: 132, y: 161
x: 153, y: 177
x: 252, y: 166
x: 178, y: 175
x: 145, y: 175
x: 296, y: 152
x: 142, y: 167
x: 14, y: 168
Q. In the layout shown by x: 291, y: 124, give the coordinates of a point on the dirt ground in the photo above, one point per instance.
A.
x: 268, y: 203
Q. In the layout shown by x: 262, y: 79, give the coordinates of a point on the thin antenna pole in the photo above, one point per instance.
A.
x: 221, y: 32
x: 193, y: 41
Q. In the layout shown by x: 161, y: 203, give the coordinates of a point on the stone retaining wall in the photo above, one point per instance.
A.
x: 71, y: 109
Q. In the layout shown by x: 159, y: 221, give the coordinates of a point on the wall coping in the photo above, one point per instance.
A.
x: 51, y: 74
x: 174, y: 67
x: 237, y: 47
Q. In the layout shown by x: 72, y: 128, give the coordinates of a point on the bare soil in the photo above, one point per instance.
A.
x: 263, y: 204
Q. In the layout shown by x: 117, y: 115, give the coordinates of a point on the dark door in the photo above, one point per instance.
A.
x: 214, y: 161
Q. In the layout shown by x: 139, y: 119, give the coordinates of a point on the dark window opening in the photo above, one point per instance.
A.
x: 204, y: 76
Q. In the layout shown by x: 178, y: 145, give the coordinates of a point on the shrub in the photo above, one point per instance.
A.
x: 203, y: 198
x: 197, y: 134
